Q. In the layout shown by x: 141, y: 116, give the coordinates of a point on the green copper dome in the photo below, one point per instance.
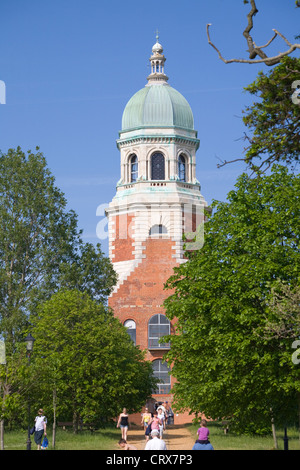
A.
x: 157, y: 105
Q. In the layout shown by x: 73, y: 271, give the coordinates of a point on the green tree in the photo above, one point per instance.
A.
x: 14, y: 391
x: 41, y: 251
x: 36, y: 232
x: 283, y: 320
x: 223, y: 366
x: 273, y: 119
x: 88, y: 358
x: 89, y: 271
x: 40, y: 245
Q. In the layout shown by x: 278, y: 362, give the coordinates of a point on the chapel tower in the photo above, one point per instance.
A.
x: 158, y: 199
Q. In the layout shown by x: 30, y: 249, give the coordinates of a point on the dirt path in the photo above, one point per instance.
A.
x: 177, y: 437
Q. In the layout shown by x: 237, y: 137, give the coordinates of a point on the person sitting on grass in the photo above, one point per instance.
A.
x: 199, y: 446
x: 124, y: 445
x: 203, y: 432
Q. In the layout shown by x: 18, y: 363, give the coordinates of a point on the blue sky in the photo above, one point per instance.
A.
x: 70, y: 66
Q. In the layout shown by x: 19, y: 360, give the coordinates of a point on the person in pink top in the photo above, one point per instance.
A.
x: 203, y: 432
x: 155, y: 422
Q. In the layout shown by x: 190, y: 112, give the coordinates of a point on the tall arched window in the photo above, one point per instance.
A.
x: 157, y: 166
x: 158, y: 326
x: 133, y: 168
x: 182, y: 168
x: 131, y: 329
x: 161, y: 371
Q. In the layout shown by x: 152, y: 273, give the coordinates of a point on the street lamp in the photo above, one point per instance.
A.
x: 29, y: 340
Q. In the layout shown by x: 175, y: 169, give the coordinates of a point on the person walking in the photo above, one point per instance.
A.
x: 40, y: 428
x: 146, y: 418
x: 161, y: 418
x: 168, y: 412
x: 123, y: 423
x: 155, y: 443
x: 164, y: 412
x: 155, y: 422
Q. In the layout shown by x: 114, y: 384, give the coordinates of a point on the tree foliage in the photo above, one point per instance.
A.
x: 40, y: 244
x: 283, y: 320
x: 87, y: 356
x: 224, y: 367
x: 41, y: 252
x: 273, y: 119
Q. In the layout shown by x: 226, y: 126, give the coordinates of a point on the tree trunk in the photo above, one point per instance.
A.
x: 274, y: 430
x: 75, y: 422
x: 4, y: 391
x: 54, y: 419
x: 2, y: 433
x: 299, y: 414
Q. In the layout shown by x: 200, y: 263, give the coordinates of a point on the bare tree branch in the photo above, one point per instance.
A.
x: 268, y: 43
x: 253, y: 52
x: 253, y: 49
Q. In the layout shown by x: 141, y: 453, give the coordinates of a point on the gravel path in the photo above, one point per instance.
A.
x: 177, y: 437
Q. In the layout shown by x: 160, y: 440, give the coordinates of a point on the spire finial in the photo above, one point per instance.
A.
x: 157, y: 35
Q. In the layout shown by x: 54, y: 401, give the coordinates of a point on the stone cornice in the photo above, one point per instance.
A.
x: 158, y: 139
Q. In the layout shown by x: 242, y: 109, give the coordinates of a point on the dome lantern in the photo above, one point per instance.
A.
x: 157, y: 61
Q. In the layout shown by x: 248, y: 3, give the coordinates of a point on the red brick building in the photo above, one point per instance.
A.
x: 158, y: 199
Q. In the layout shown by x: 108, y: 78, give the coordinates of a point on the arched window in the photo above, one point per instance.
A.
x: 133, y: 168
x: 157, y: 166
x: 161, y: 371
x: 131, y: 329
x: 158, y: 326
x: 182, y: 168
x: 158, y: 230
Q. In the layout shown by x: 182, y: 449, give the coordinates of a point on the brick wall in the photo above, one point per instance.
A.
x: 141, y: 295
x: 122, y: 243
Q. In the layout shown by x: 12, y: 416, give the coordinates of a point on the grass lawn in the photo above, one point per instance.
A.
x: 231, y: 441
x: 106, y: 439
x: 102, y: 439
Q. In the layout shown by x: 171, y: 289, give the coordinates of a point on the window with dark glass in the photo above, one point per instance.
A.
x: 161, y: 371
x: 182, y: 168
x: 133, y: 169
x: 131, y: 329
x: 157, y: 230
x: 157, y: 166
x: 158, y: 326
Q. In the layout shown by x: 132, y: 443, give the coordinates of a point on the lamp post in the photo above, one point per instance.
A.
x: 29, y: 340
x: 285, y: 440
